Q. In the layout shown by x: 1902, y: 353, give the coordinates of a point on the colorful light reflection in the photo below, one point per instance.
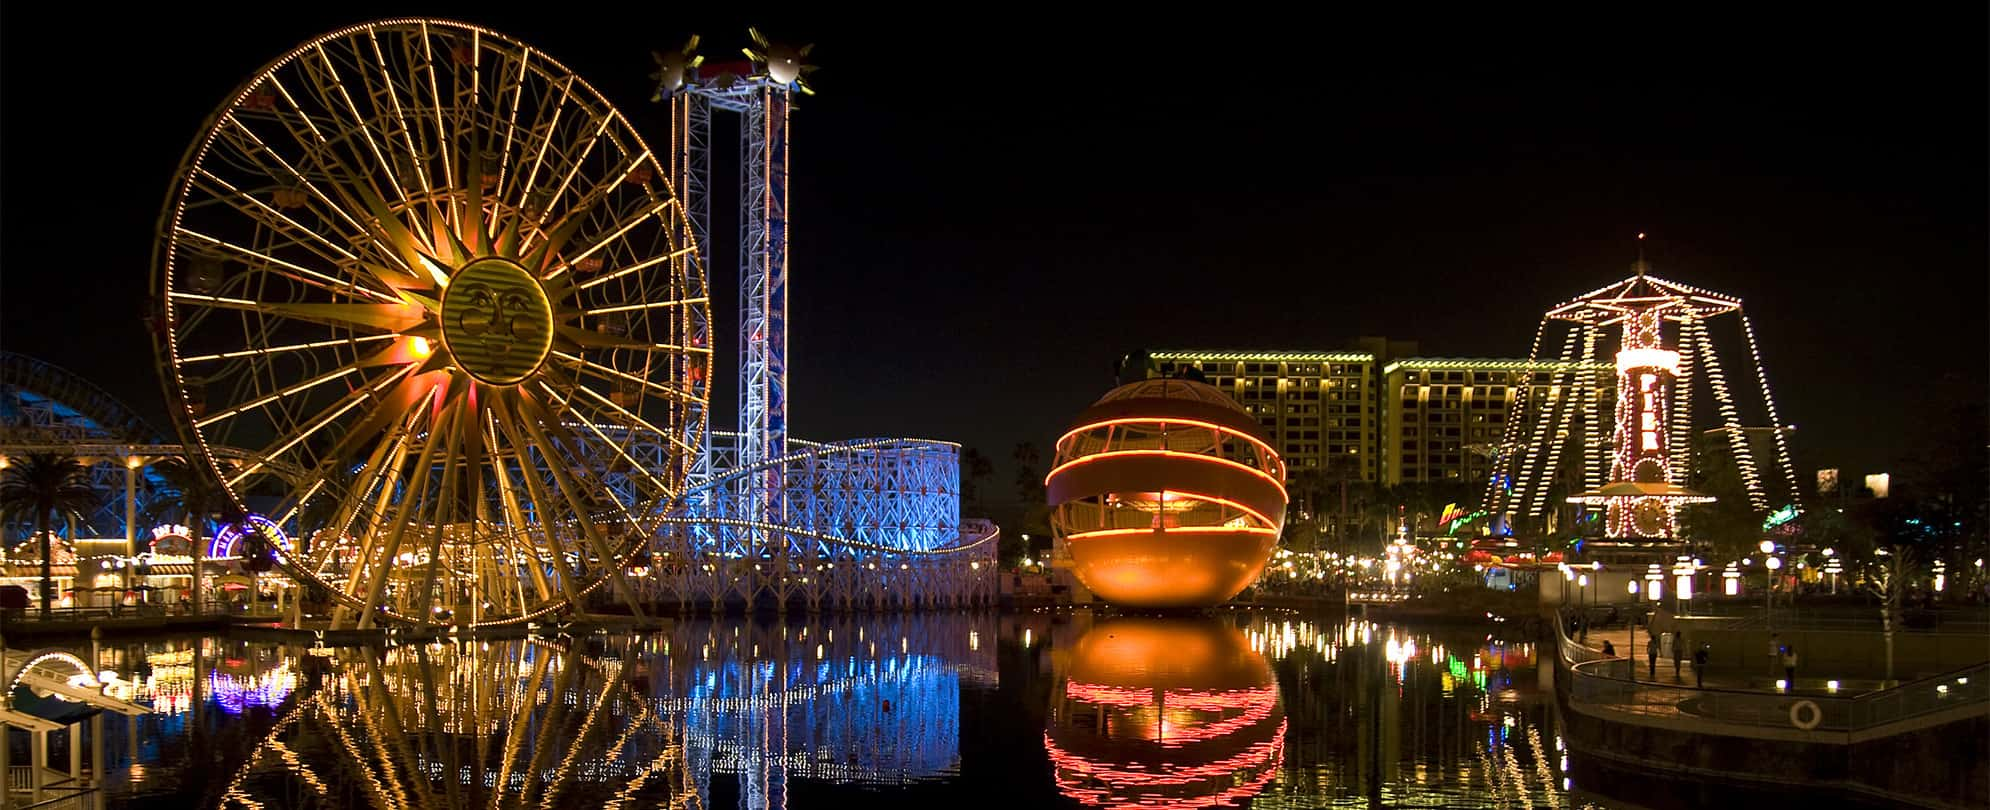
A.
x: 1157, y: 713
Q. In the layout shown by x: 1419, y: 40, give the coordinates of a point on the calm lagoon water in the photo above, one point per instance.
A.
x: 1024, y: 710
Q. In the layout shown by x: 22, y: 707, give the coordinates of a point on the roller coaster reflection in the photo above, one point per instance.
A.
x: 615, y: 721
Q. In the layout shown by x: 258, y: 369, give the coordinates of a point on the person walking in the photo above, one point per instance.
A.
x: 1700, y: 667
x: 1775, y: 652
x: 1790, y: 667
x: 1678, y: 643
x: 1651, y: 656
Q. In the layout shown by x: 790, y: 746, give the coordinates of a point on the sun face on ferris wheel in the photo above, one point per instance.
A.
x: 438, y: 287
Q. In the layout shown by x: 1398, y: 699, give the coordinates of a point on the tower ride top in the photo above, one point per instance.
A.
x: 1663, y: 344
x: 759, y: 91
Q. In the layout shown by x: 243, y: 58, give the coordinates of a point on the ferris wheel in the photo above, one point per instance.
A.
x: 440, y: 290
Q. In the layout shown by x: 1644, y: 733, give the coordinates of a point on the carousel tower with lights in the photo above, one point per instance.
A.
x: 1663, y: 346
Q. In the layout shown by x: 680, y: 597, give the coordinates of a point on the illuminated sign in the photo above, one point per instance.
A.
x: 1780, y: 517
x: 224, y: 543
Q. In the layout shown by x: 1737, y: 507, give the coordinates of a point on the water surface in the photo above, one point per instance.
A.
x: 1026, y: 710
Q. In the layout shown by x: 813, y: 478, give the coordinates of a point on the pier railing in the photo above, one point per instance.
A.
x: 1605, y: 683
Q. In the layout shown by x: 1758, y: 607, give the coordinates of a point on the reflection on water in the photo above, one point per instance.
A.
x: 1165, y: 713
x: 1024, y: 710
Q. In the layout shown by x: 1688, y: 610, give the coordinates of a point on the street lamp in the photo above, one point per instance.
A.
x: 1682, y: 577
x: 1773, y: 564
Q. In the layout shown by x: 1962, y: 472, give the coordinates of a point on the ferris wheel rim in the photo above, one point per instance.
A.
x: 166, y: 263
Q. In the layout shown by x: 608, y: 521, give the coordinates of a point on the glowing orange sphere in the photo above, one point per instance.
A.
x: 1165, y: 713
x: 1167, y: 495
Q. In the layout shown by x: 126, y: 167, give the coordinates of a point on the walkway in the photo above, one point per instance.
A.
x: 1620, y: 638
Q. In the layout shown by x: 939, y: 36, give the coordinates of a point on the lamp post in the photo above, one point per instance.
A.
x: 1632, y: 586
x: 1768, y: 549
x: 1770, y: 566
x: 131, y: 466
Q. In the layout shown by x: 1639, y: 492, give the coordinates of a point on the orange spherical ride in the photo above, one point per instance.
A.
x: 1167, y: 495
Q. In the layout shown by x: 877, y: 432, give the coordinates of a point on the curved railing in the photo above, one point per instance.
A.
x: 1599, y: 682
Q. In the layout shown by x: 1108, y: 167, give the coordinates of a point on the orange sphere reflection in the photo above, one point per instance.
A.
x: 1167, y: 495
x: 1160, y: 713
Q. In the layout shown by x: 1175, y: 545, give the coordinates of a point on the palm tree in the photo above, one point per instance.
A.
x: 191, y: 495
x: 43, y: 484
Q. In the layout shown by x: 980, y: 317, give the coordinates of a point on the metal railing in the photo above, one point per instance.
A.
x: 1605, y: 682
x: 64, y: 793
x: 214, y: 607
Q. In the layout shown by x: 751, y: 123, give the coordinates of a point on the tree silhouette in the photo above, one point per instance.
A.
x: 42, y: 484
x: 975, y: 468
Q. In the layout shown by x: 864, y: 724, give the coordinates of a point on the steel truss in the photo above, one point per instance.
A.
x: 859, y: 524
x: 869, y: 524
x: 46, y: 409
x: 762, y: 106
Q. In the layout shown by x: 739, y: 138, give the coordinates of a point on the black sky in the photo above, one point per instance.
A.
x: 989, y: 208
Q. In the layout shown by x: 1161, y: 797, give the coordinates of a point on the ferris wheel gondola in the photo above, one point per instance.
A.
x: 439, y: 273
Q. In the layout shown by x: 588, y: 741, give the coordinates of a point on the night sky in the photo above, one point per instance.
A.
x: 989, y: 210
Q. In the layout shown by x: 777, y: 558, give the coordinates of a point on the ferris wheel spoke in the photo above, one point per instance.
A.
x: 293, y: 503
x: 377, y: 507
x: 591, y: 339
x: 445, y: 135
x: 394, y: 318
x: 358, y: 122
x: 620, y: 448
x: 517, y: 92
x: 535, y: 486
x: 376, y: 469
x: 275, y: 82
x: 255, y: 148
x: 544, y: 141
x: 579, y: 161
x: 607, y: 373
x: 406, y: 513
x: 588, y: 201
x: 572, y: 491
x: 388, y: 407
x: 624, y: 173
x: 552, y: 247
x: 263, y: 214
x: 294, y: 347
x: 335, y: 374
x: 403, y: 121
x: 319, y: 422
x: 258, y: 260
x: 515, y: 515
x: 625, y: 413
x: 638, y: 267
x: 444, y: 515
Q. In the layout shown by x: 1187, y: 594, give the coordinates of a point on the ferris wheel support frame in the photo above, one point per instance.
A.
x: 473, y: 241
